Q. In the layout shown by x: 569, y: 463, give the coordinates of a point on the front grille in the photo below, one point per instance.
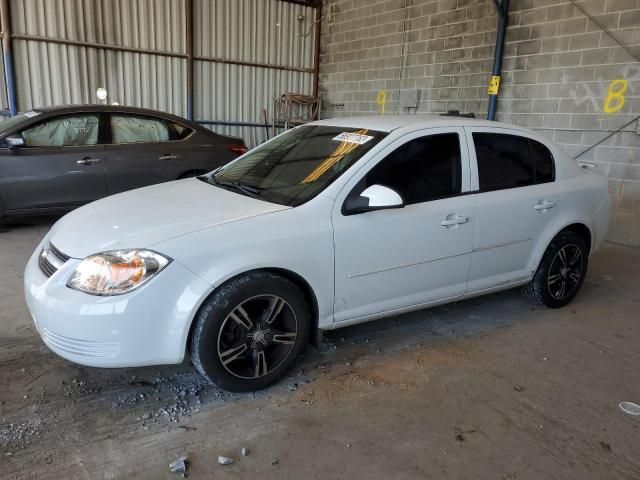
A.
x: 58, y: 253
x: 51, y: 259
x: 46, y: 266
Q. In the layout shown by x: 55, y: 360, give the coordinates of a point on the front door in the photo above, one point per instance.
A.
x: 392, y: 259
x: 61, y: 164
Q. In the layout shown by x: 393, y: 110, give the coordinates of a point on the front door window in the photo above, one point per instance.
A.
x: 63, y: 132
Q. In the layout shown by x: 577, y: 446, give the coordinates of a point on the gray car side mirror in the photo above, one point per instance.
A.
x: 14, y: 141
x: 374, y: 197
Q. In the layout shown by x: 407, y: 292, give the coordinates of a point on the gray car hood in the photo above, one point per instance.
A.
x: 140, y: 218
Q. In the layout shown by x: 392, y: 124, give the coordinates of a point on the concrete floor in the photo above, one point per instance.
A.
x: 484, y: 389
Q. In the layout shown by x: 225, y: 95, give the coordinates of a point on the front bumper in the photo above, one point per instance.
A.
x: 148, y: 326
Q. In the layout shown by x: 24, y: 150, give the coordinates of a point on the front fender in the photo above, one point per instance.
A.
x: 291, y: 240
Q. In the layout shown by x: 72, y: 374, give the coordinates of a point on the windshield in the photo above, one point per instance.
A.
x: 297, y: 165
x: 9, y: 123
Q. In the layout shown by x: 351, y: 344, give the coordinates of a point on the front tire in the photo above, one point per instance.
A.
x: 250, y: 332
x: 561, y: 271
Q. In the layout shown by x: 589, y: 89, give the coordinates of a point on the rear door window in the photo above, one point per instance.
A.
x: 138, y: 129
x: 67, y: 131
x: 510, y: 161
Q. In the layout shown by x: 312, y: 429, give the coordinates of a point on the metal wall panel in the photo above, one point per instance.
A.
x: 256, y: 31
x: 265, y: 32
x: 52, y: 74
x: 260, y: 32
x: 150, y: 24
x: 240, y: 93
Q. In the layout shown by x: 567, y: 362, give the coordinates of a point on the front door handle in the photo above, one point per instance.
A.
x: 88, y: 161
x: 169, y: 157
x: 544, y: 205
x: 454, y: 219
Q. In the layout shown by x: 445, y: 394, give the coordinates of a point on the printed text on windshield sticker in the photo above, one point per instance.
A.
x: 352, y: 138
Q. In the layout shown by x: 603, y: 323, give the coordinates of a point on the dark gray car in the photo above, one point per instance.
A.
x: 55, y: 159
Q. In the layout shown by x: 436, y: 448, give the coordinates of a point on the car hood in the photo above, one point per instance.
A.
x: 143, y: 217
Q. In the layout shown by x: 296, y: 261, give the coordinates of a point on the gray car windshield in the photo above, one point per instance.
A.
x: 10, y: 123
x: 297, y: 165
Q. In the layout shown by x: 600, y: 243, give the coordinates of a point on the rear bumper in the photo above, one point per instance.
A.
x: 148, y: 326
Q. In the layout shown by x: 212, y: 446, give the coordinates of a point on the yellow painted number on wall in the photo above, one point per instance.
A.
x: 381, y: 100
x: 615, y: 96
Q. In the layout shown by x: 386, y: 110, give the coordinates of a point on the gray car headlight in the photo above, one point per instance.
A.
x: 116, y: 272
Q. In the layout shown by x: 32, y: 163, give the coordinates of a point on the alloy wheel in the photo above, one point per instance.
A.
x: 565, y: 271
x: 257, y: 336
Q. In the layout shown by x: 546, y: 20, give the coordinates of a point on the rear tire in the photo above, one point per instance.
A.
x: 250, y: 332
x: 561, y: 271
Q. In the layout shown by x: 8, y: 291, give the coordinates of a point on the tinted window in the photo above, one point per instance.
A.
x: 503, y: 161
x: 63, y: 131
x: 509, y: 161
x: 132, y: 129
x: 543, y: 161
x: 423, y: 169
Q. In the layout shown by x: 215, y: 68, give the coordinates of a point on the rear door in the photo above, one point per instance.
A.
x: 61, y: 165
x: 142, y: 150
x: 517, y: 199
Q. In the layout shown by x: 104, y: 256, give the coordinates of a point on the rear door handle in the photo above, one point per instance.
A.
x: 544, y: 205
x: 169, y: 157
x: 88, y: 161
x: 454, y: 219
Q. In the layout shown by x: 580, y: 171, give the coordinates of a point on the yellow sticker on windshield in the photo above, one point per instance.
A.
x: 352, y: 138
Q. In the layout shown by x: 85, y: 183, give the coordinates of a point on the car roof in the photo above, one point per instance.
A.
x: 387, y: 123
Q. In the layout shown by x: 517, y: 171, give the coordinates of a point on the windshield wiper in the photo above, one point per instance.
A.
x: 246, y: 189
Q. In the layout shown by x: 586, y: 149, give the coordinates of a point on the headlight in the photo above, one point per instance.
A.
x: 116, y: 272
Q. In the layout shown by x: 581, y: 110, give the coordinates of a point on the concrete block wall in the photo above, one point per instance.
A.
x: 558, y: 70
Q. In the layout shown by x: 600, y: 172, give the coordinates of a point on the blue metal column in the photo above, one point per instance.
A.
x: 9, y: 70
x: 503, y: 17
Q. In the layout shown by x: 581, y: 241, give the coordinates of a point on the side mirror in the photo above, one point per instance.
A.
x: 14, y: 141
x: 375, y: 197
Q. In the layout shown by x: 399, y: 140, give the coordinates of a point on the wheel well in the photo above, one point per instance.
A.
x: 308, y: 292
x: 582, y: 230
x: 293, y: 277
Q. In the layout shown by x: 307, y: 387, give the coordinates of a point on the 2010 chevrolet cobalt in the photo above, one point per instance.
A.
x: 329, y: 224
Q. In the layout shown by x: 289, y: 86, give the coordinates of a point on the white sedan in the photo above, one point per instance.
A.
x: 329, y: 224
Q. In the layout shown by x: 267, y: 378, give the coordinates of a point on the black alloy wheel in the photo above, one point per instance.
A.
x: 250, y: 332
x: 561, y: 271
x: 257, y: 336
